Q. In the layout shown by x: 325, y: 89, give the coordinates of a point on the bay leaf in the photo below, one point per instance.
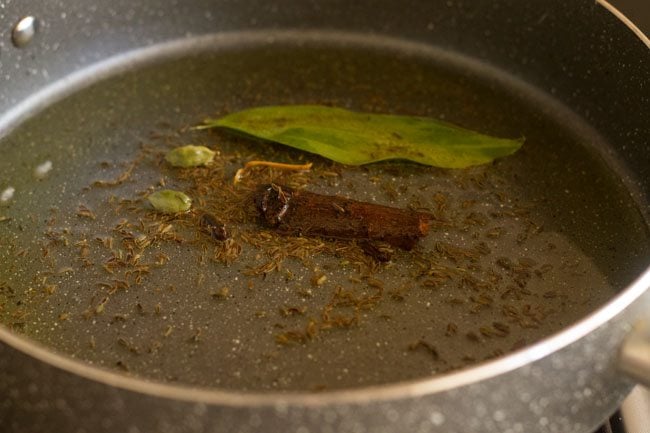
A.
x: 357, y: 138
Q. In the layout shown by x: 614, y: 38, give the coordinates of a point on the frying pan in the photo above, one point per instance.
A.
x: 94, y: 88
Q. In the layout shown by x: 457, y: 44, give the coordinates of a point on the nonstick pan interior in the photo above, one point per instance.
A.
x: 523, y: 248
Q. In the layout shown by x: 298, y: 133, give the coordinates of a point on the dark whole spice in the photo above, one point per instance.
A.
x: 215, y: 228
x: 305, y: 213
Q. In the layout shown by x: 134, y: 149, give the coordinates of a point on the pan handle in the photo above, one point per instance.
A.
x: 634, y: 356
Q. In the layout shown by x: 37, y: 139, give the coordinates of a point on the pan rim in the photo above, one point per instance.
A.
x: 625, y: 20
x: 377, y: 393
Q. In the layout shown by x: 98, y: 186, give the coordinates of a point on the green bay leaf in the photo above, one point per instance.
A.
x: 356, y: 138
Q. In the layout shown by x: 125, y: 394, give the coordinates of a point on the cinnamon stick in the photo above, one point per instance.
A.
x: 292, y: 212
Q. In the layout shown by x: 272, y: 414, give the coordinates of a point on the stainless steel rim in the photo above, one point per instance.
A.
x: 625, y: 20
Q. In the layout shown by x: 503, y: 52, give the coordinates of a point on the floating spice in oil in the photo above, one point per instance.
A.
x: 190, y: 156
x: 302, y: 293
